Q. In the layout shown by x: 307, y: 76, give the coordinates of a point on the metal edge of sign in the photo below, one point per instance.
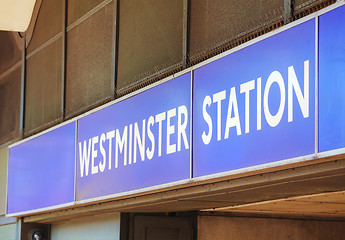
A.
x: 136, y: 191
x: 41, y: 210
x: 185, y: 182
x: 257, y: 167
x: 201, y: 178
x: 6, y: 191
x: 191, y: 126
x: 330, y: 153
x: 106, y: 197
x: 75, y: 162
x: 316, y: 76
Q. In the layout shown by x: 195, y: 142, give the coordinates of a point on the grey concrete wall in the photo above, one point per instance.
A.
x: 239, y: 228
x: 102, y: 227
x: 3, y: 179
x: 8, y: 232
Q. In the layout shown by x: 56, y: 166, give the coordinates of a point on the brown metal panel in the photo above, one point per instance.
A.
x: 162, y: 227
x: 150, y: 38
x: 9, y: 53
x: 243, y: 228
x: 216, y: 22
x: 9, y: 106
x: 89, y: 62
x: 43, y: 88
x: 48, y: 23
x: 305, y: 7
x: 305, y: 3
x: 77, y: 8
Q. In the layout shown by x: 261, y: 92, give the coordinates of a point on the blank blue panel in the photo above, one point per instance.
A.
x: 332, y: 80
x: 41, y: 171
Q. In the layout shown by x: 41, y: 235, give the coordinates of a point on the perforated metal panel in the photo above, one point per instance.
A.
x: 9, y: 53
x: 48, y: 24
x: 150, y: 38
x: 300, y: 4
x: 305, y: 7
x: 10, y: 105
x: 77, y: 8
x: 217, y: 22
x: 89, y: 62
x: 43, y: 88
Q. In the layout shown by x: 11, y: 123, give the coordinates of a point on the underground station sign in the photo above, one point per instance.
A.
x: 140, y: 142
x: 256, y: 105
x: 252, y: 107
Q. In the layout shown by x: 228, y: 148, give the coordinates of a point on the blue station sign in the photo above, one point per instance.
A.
x: 256, y: 105
x: 140, y: 142
x: 332, y: 80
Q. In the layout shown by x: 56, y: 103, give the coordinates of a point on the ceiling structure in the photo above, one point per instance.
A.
x: 318, y: 205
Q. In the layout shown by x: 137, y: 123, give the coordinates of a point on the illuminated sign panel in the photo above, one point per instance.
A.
x: 41, y: 171
x: 332, y: 80
x: 256, y: 105
x: 140, y: 142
